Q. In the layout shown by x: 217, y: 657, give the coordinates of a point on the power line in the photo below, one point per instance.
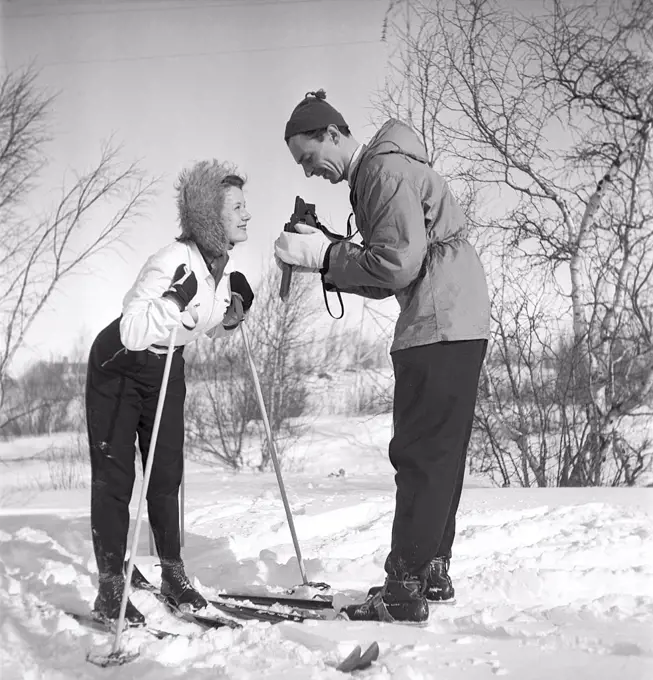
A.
x: 98, y: 10
x: 184, y: 55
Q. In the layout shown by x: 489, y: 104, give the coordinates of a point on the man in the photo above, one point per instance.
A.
x: 415, y: 247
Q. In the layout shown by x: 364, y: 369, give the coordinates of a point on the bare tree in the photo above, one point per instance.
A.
x: 550, y: 119
x: 221, y: 402
x: 222, y: 409
x: 37, y: 253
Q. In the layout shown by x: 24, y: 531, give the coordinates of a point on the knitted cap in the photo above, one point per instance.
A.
x: 312, y: 113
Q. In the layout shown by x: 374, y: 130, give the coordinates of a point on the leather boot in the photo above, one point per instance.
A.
x: 109, y: 598
x: 175, y: 584
x: 398, y: 600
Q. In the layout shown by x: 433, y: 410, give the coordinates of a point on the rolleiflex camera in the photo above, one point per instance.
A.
x: 304, y: 213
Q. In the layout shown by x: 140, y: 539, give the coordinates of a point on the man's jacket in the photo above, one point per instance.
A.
x: 415, y: 245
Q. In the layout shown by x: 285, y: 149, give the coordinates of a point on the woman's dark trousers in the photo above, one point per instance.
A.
x: 434, y: 401
x: 122, y: 389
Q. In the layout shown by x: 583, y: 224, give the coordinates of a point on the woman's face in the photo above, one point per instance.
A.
x: 234, y: 216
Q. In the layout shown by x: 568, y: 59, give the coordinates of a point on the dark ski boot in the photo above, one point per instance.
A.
x: 175, y: 585
x: 439, y: 587
x: 107, y: 603
x: 398, y: 600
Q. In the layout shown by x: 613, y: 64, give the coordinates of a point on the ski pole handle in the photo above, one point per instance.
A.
x: 286, y: 277
x: 286, y: 269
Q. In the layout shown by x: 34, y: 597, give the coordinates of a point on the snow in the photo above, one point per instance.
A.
x: 550, y: 582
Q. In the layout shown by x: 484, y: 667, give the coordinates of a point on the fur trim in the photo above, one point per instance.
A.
x: 200, y: 199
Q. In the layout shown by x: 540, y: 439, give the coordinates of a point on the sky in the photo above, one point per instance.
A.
x: 176, y: 82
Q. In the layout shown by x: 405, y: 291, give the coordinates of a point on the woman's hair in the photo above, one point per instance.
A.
x: 234, y: 181
x: 200, y: 199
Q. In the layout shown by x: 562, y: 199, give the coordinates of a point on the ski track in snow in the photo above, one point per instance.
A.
x: 550, y: 583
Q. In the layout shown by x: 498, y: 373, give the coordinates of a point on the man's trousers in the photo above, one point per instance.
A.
x: 434, y: 402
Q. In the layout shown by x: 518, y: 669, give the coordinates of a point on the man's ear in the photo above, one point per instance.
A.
x: 334, y: 133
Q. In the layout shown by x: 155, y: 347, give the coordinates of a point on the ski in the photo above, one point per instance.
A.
x: 285, y: 601
x: 139, y: 582
x: 358, y: 660
x: 238, y: 611
x: 263, y: 614
x: 321, y: 602
x: 89, y: 621
x: 215, y: 621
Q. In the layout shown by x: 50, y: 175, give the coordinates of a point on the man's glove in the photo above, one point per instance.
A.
x: 306, y: 248
x: 183, y: 287
x: 241, y: 300
x: 239, y: 284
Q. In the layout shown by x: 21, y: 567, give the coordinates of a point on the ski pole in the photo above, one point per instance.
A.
x: 273, y: 451
x: 146, y: 481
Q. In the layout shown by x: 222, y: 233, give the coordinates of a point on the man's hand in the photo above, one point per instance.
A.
x: 183, y: 287
x: 306, y: 248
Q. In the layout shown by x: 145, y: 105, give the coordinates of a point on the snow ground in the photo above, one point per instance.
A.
x: 550, y: 582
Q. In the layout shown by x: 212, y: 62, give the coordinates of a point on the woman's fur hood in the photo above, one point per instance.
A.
x: 200, y: 199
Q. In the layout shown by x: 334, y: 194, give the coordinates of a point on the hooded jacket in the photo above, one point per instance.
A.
x: 415, y: 245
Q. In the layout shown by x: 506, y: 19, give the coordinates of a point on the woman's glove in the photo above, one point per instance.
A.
x: 183, y: 287
x: 242, y: 298
x: 239, y: 284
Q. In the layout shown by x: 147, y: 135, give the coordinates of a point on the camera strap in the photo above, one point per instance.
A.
x: 335, y: 238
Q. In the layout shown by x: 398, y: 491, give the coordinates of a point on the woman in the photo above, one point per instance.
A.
x: 188, y: 286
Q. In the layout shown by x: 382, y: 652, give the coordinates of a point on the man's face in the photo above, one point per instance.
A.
x: 321, y: 158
